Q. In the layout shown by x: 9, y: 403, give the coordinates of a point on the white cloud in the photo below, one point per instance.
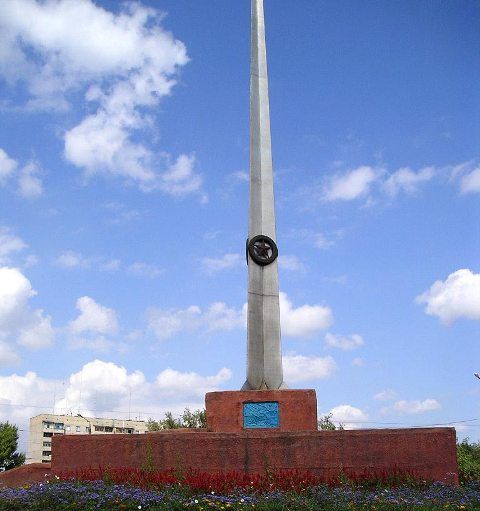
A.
x: 120, y: 213
x: 29, y: 183
x: 110, y: 265
x: 101, y: 386
x: 456, y: 297
x: 304, y: 321
x: 179, y: 179
x: 414, y: 407
x: 350, y: 416
x: 94, y: 318
x: 385, y: 395
x: 171, y: 383
x: 30, y: 260
x: 212, y: 265
x: 30, y: 327
x: 37, y: 332
x: 470, y: 182
x: 99, y: 344
x: 104, y: 389
x: 344, y: 342
x: 165, y: 323
x: 23, y: 397
x: 80, y: 42
x: 322, y: 242
x: 9, y: 244
x: 350, y: 185
x: 123, y: 63
x: 290, y: 263
x: 299, y: 368
x: 318, y: 239
x: 358, y: 183
x: 240, y: 175
x: 407, y: 180
x: 71, y: 259
x: 358, y: 362
x: 221, y: 317
x: 15, y: 291
x: 139, y: 269
x: 8, y: 356
x: 7, y: 166
x: 100, y: 143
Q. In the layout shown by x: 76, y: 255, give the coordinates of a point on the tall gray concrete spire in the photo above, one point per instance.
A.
x: 264, y: 357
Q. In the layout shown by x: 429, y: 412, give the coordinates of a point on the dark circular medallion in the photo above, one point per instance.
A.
x: 262, y: 250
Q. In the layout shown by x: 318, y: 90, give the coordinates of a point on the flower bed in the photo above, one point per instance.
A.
x: 62, y: 495
x: 284, y: 480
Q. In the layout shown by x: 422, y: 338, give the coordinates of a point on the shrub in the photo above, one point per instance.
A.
x: 188, y: 419
x: 326, y: 423
x: 468, y: 456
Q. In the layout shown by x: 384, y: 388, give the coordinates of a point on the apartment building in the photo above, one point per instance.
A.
x: 45, y: 426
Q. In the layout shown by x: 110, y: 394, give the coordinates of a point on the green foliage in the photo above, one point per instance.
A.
x: 9, y: 458
x: 325, y: 423
x: 188, y: 419
x: 468, y: 456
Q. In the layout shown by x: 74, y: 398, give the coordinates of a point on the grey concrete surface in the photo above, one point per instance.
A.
x: 264, y: 354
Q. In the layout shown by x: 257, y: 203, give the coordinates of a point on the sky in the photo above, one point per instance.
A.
x: 124, y: 153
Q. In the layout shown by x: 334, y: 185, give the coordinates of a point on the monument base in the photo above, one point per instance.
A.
x: 24, y: 474
x: 425, y: 454
x: 276, y: 410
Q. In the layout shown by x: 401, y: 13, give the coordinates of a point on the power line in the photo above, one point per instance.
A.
x: 125, y: 412
x: 407, y: 423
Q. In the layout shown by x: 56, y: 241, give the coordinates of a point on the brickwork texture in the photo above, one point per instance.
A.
x: 426, y: 454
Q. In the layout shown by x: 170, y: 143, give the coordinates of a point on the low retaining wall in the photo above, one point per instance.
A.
x: 426, y: 454
x: 25, y: 474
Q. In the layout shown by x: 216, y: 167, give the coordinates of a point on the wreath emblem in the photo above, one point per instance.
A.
x: 262, y: 249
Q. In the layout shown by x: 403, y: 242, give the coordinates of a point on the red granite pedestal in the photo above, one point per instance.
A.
x: 297, y: 409
x: 296, y: 444
x: 424, y: 454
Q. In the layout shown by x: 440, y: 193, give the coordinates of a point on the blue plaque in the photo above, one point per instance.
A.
x: 261, y: 415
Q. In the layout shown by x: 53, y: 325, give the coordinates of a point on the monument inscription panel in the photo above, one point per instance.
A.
x: 261, y: 415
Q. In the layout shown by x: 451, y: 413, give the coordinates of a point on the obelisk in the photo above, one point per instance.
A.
x: 264, y: 356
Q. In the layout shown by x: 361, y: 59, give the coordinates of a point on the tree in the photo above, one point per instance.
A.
x: 325, y: 423
x: 468, y: 456
x: 9, y: 458
x: 196, y: 419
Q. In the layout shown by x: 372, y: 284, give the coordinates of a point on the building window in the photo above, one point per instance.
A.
x: 119, y: 430
x: 130, y: 431
x: 48, y: 435
x: 47, y: 444
x: 108, y: 429
x: 46, y: 453
x: 77, y: 429
x: 59, y: 425
x: 67, y: 428
x: 99, y: 428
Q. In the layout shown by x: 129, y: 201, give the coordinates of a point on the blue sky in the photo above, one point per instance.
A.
x: 124, y: 145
